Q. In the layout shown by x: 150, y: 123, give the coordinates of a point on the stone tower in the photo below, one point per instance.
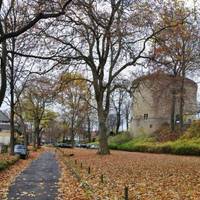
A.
x: 152, y: 102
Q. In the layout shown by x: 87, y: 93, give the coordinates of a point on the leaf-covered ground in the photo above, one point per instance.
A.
x: 69, y: 187
x: 148, y: 176
x: 7, y: 176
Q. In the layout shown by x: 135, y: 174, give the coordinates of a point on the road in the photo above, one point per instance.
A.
x: 38, y: 181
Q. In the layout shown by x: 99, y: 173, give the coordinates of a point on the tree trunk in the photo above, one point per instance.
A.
x: 181, y: 108
x: 12, y: 123
x: 127, y: 118
x: 72, y: 138
x: 34, y: 139
x: 38, y: 140
x: 12, y: 106
x: 72, y: 132
x: 35, y: 134
x: 3, y: 72
x: 118, y: 122
x: 89, y: 129
x: 25, y: 138
x: 103, y: 132
x: 173, y: 111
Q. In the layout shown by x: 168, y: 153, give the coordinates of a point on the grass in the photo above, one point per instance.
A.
x: 182, y: 146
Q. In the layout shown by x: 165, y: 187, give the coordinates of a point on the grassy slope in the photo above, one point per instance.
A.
x: 148, y: 144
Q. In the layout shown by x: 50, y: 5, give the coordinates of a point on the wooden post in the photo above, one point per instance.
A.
x: 89, y: 170
x: 75, y: 162
x: 126, y: 193
x: 101, y: 178
x: 81, y: 165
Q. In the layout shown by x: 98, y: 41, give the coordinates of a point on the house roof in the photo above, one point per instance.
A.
x: 3, y: 117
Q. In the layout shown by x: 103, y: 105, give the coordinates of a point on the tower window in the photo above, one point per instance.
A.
x: 145, y: 116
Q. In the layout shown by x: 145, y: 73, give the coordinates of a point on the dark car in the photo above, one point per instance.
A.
x: 83, y: 145
x: 63, y: 145
x: 21, y: 150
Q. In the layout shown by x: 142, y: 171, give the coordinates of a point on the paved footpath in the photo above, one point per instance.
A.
x: 38, y: 181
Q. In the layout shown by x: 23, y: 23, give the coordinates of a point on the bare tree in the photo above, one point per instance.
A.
x: 106, y: 37
x: 31, y: 12
x: 118, y: 98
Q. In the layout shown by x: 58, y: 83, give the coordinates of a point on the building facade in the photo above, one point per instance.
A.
x: 153, y: 102
x: 4, y: 129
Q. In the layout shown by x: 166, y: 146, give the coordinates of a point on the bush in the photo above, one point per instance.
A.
x: 120, y: 138
x: 6, y: 161
x: 149, y: 144
x: 141, y: 144
x: 193, y: 130
x: 164, y: 133
x: 3, y: 165
x: 5, y: 149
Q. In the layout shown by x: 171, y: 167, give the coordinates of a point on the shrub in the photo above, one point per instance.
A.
x: 6, y: 161
x: 3, y: 165
x: 193, y: 130
x: 113, y: 146
x: 120, y: 138
x: 164, y: 133
x: 5, y: 149
x: 149, y: 144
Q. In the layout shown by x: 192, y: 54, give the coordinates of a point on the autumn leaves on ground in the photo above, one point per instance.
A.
x: 86, y: 175
x: 147, y: 176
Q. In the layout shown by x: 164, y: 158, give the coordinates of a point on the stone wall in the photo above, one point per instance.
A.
x: 152, y: 102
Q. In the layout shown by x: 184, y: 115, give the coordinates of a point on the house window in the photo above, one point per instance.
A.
x: 145, y: 116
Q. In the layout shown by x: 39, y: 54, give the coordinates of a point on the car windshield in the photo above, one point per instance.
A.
x: 19, y: 147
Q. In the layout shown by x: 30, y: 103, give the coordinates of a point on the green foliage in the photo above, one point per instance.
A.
x: 162, y: 141
x: 4, y: 149
x: 97, y: 143
x: 5, y: 163
x: 48, y: 117
x: 120, y: 138
x: 193, y: 131
x: 150, y: 145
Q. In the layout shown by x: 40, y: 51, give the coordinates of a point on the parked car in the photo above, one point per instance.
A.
x: 94, y: 146
x: 63, y: 145
x: 21, y: 150
x: 83, y: 145
x: 78, y: 145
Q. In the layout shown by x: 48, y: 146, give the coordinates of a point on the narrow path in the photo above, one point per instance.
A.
x: 38, y: 181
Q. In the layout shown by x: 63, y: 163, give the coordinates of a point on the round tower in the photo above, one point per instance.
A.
x: 153, y: 102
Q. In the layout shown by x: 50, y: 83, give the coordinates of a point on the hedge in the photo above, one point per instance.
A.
x: 7, y: 161
x: 178, y: 147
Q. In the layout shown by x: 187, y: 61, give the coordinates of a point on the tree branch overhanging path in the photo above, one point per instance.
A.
x: 5, y: 34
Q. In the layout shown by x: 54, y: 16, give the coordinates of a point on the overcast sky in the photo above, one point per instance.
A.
x: 196, y: 78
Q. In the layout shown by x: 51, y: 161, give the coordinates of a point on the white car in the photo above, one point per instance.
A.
x: 21, y: 150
